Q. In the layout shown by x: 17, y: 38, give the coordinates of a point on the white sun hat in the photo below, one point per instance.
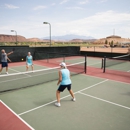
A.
x: 63, y: 64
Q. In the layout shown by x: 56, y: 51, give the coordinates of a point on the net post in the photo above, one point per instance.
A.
x: 47, y: 57
x: 85, y: 64
x: 104, y: 64
x: 34, y: 53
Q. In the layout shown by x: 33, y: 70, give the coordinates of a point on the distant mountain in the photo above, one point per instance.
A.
x: 69, y: 37
x: 65, y: 38
x: 36, y: 40
x: 12, y: 38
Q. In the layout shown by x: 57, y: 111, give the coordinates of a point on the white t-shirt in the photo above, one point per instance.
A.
x: 3, y: 57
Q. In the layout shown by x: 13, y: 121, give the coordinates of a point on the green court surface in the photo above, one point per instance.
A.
x: 94, y: 62
x: 125, y: 67
x: 22, y: 68
x: 101, y: 104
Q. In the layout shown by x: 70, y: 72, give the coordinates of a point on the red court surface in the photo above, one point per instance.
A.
x: 11, y: 121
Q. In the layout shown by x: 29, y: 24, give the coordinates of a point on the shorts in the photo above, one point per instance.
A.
x: 4, y: 64
x: 63, y: 87
x: 29, y: 64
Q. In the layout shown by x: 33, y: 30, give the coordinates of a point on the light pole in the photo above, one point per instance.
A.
x: 15, y: 34
x: 50, y: 30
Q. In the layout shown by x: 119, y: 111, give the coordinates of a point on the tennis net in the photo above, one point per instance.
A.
x: 26, y: 79
x: 106, y: 62
x: 52, y: 56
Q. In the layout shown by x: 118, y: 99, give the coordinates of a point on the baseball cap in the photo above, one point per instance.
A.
x: 63, y: 64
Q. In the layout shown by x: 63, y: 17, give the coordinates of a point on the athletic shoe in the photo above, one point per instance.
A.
x: 57, y: 104
x: 7, y: 73
x: 74, y: 99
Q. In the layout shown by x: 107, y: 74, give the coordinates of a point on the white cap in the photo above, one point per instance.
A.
x: 63, y: 64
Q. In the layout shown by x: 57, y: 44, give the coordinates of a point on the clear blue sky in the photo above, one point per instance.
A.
x: 96, y: 18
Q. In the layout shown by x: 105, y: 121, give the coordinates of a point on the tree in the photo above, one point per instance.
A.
x: 111, y: 44
x: 106, y: 42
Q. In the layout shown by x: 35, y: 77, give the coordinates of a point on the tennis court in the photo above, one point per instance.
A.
x: 101, y: 103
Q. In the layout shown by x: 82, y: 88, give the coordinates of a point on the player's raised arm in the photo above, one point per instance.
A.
x: 9, y: 53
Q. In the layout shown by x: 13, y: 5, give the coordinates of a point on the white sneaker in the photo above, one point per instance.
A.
x: 7, y: 73
x: 57, y: 104
x: 74, y: 99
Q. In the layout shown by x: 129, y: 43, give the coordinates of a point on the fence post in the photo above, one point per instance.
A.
x: 47, y: 57
x: 104, y: 64
x: 64, y: 58
x: 85, y: 64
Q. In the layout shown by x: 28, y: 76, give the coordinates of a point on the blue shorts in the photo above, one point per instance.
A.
x: 4, y: 64
x: 63, y: 87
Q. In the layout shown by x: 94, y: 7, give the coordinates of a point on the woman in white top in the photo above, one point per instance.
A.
x: 29, y: 61
x: 64, y: 82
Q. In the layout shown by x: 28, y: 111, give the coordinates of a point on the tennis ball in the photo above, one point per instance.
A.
x: 22, y: 59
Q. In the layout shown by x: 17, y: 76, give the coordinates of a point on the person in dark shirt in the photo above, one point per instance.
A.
x: 4, y: 58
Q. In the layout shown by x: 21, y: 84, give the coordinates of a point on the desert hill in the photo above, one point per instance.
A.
x: 12, y: 38
x: 36, y: 40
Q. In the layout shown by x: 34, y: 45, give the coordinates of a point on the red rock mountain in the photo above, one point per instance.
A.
x: 12, y: 38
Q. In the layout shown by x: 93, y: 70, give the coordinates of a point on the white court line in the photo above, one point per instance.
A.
x: 17, y: 115
x: 105, y: 100
x: 61, y: 98
x: 19, y: 72
x: 14, y: 70
x: 40, y: 65
x: 40, y: 106
x: 94, y: 85
x: 26, y: 77
x: 40, y: 70
x: 25, y: 65
x: 108, y: 79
